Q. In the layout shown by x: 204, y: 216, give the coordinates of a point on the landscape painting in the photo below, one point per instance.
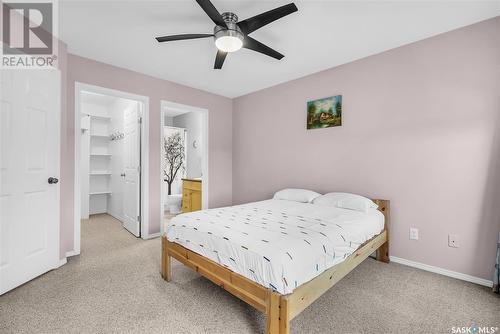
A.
x: 324, y: 113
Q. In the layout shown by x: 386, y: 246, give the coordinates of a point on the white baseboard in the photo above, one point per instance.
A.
x: 116, y: 216
x: 442, y: 271
x: 152, y: 236
x: 72, y: 253
x: 62, y: 262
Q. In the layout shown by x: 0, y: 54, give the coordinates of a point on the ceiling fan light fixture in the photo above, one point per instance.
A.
x: 230, y: 35
x: 229, y: 43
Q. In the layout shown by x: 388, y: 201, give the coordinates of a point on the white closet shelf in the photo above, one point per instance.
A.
x: 99, y: 135
x: 100, y: 154
x: 105, y: 118
x: 100, y: 193
x: 100, y: 173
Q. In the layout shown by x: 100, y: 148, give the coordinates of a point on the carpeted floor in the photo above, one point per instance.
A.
x: 114, y: 286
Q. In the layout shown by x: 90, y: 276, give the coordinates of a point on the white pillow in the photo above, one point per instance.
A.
x: 296, y: 195
x: 346, y: 201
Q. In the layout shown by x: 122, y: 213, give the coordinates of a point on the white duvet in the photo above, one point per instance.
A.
x: 277, y: 243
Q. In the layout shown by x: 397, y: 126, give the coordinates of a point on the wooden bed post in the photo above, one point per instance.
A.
x: 278, y: 316
x: 273, y: 313
x: 284, y: 316
x: 166, y: 261
x: 383, y: 251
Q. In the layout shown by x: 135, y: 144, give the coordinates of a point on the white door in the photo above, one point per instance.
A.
x: 29, y: 156
x: 131, y: 193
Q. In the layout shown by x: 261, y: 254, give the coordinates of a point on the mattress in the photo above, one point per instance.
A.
x: 276, y: 243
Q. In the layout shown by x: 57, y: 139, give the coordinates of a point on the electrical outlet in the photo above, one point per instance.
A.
x: 453, y: 240
x: 413, y: 233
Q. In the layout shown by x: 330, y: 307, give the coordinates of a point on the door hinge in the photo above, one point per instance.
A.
x: 140, y: 120
x: 139, y: 219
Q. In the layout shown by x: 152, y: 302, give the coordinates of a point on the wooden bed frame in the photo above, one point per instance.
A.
x: 280, y: 309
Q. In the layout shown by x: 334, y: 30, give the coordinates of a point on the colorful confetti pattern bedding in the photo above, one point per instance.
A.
x: 276, y: 243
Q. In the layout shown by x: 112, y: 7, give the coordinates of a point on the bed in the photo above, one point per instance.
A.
x: 278, y: 256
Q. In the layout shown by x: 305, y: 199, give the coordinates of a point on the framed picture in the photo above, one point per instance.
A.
x: 325, y: 112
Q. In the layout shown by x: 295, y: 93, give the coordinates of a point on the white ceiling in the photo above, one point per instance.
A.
x: 322, y: 34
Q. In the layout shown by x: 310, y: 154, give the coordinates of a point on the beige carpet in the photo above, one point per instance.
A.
x: 114, y: 286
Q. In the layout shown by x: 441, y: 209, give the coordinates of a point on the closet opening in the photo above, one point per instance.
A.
x: 110, y: 164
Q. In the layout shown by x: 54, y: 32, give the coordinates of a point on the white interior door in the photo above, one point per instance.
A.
x: 29, y: 156
x: 131, y: 194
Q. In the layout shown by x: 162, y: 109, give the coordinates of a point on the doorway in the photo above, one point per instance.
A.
x: 111, y: 159
x: 184, y: 132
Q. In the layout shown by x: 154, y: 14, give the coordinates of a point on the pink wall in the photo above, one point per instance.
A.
x: 420, y: 128
x: 220, y: 134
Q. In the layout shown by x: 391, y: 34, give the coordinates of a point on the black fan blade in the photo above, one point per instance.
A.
x: 258, y: 21
x: 219, y: 59
x: 212, y: 12
x: 181, y: 37
x: 252, y: 44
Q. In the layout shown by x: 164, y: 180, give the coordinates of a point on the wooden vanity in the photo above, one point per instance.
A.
x: 191, y: 195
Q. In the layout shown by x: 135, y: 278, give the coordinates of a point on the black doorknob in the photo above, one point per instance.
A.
x: 53, y: 180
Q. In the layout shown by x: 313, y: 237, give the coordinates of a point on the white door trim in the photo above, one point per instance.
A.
x: 204, y: 166
x: 79, y: 87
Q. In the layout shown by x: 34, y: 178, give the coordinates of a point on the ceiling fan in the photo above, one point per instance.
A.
x: 231, y: 35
